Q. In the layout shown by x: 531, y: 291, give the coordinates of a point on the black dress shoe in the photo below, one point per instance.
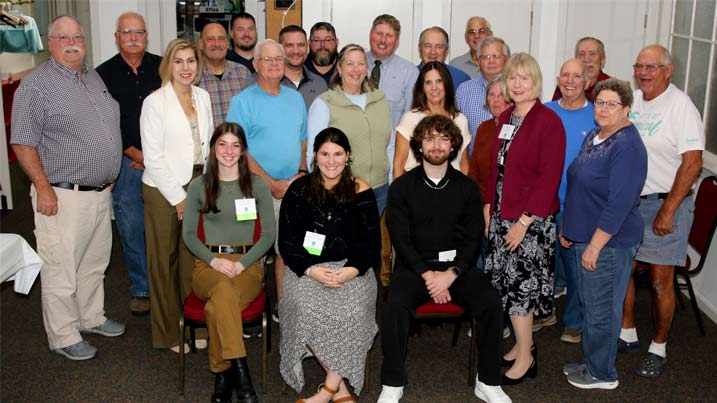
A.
x: 245, y: 390
x: 509, y: 363
x: 224, y: 383
x: 532, y: 372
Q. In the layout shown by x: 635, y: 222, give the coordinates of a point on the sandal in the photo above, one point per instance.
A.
x: 325, y: 388
x: 651, y: 366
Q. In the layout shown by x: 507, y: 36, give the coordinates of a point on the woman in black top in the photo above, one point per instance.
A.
x: 329, y: 240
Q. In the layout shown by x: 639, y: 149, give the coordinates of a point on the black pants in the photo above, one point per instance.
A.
x: 472, y: 291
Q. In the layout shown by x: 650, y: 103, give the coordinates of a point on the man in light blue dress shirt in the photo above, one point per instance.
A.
x: 470, y: 96
x: 477, y: 29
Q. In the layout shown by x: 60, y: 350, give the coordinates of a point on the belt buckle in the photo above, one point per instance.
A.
x: 222, y: 249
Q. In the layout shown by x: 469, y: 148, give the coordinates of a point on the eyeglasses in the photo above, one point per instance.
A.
x: 269, y: 59
x: 66, y: 38
x: 477, y: 31
x: 138, y: 32
x: 610, y: 105
x: 322, y: 41
x: 496, y: 56
x: 650, y: 68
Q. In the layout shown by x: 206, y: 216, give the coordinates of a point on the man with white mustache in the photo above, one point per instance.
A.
x: 577, y: 115
x: 66, y: 134
x: 296, y: 75
x: 591, y: 51
x: 323, y: 50
x: 130, y: 76
x: 222, y: 78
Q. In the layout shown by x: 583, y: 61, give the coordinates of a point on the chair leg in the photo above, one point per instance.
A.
x: 472, y: 369
x: 678, y: 294
x: 695, y: 307
x: 456, y: 331
x: 181, y: 356
x: 192, y: 339
x: 264, y: 350
x: 367, y: 370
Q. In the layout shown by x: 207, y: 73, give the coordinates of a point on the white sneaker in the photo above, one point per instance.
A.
x: 390, y: 394
x: 490, y: 394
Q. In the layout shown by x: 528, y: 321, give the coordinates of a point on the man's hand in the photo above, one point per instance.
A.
x: 225, y: 266
x: 137, y: 157
x: 663, y: 222
x: 443, y: 297
x: 590, y: 258
x: 439, y: 282
x: 46, y: 201
x: 563, y: 241
x: 278, y: 188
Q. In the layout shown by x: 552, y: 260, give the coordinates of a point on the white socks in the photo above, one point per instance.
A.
x: 628, y: 335
x: 658, y: 348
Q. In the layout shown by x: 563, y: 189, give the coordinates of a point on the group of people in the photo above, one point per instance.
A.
x: 448, y: 182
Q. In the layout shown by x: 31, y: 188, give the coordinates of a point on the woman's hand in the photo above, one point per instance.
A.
x: 238, y: 267
x: 590, y: 257
x: 324, y: 276
x: 563, y: 241
x: 224, y: 266
x: 515, y: 236
x: 180, y: 209
x: 345, y: 274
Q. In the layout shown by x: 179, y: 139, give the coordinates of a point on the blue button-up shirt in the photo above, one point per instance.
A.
x: 470, y: 99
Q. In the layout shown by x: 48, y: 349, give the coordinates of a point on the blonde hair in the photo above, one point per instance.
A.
x: 165, y: 68
x: 523, y: 64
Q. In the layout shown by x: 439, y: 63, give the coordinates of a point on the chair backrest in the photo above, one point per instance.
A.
x: 705, y: 218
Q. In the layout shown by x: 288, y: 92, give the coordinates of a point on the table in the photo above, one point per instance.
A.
x: 18, y: 262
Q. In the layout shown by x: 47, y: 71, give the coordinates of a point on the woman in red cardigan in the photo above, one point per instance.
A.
x: 522, y: 200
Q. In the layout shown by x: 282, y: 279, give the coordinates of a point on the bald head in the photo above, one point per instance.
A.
x: 572, y: 82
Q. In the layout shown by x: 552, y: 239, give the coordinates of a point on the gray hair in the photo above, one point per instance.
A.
x: 620, y: 87
x: 601, y: 46
x: 490, y: 40
x: 485, y: 22
x: 436, y: 29
x: 496, y: 80
x: 130, y: 14
x: 51, y: 26
x: 666, y: 57
x: 260, y: 46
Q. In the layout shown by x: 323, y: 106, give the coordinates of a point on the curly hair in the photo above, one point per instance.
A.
x: 439, y: 124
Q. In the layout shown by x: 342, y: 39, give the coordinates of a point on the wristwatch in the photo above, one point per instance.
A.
x: 455, y: 270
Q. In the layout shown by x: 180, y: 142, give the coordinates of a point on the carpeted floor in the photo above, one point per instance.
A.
x: 127, y: 369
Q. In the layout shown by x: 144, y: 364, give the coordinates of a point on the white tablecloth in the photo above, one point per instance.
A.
x: 18, y: 262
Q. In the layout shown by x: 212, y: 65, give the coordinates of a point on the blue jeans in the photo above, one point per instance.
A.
x: 566, y: 276
x: 129, y: 217
x: 602, y: 293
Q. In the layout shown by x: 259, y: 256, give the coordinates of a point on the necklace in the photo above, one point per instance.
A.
x: 432, y: 186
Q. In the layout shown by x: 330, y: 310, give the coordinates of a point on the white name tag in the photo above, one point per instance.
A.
x: 506, y: 132
x: 447, y: 255
x: 314, y: 243
x: 246, y: 209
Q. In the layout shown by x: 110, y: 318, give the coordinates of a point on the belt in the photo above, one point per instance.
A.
x: 81, y: 188
x: 662, y: 196
x: 230, y: 249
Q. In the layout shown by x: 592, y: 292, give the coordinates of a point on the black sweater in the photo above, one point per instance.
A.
x: 424, y: 219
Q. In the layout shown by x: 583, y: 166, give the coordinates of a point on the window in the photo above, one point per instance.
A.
x: 694, y: 53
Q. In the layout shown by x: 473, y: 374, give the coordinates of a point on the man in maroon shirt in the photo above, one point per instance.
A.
x: 591, y: 51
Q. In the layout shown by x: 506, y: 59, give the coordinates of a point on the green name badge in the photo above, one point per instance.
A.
x: 314, y: 243
x: 245, y: 209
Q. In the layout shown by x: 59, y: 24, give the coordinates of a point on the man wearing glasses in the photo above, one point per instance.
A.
x: 477, y: 29
x: 66, y: 134
x: 493, y: 52
x: 273, y: 117
x: 591, y: 51
x: 323, y: 45
x: 673, y: 134
x: 130, y: 76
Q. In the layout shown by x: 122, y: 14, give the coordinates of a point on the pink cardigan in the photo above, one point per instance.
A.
x: 533, y: 166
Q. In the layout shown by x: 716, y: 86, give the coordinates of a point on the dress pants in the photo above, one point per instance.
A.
x: 226, y: 298
x: 472, y: 291
x: 75, y: 246
x: 169, y: 266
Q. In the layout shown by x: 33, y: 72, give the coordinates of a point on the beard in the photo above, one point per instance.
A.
x: 247, y: 48
x: 435, y: 159
x: 320, y: 60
